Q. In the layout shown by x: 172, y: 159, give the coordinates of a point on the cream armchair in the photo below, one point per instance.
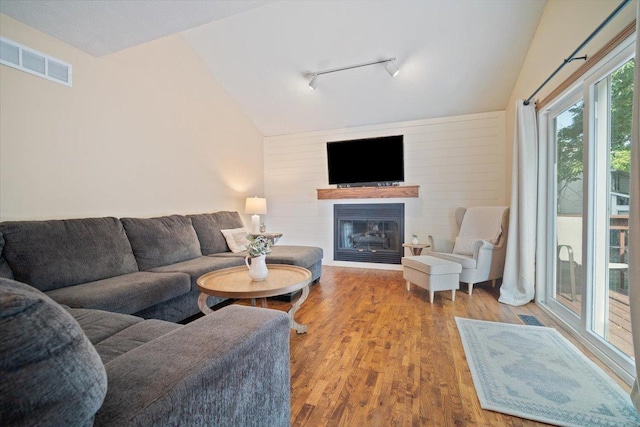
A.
x: 480, y: 246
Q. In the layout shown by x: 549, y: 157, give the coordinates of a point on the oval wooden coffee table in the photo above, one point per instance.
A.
x: 234, y: 282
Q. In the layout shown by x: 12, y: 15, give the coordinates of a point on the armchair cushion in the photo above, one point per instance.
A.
x: 465, y: 245
x: 441, y: 244
x: 465, y: 260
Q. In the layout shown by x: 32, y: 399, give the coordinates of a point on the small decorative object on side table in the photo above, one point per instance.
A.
x: 416, y: 249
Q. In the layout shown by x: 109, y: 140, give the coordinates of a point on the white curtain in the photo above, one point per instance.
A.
x: 634, y: 221
x: 518, y: 283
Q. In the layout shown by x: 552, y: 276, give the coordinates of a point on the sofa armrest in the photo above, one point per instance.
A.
x: 441, y: 244
x: 230, y: 367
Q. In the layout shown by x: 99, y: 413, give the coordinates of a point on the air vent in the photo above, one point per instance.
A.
x: 33, y: 62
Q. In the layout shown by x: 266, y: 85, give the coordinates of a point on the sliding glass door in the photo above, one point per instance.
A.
x: 588, y: 133
x: 612, y: 96
x: 567, y: 204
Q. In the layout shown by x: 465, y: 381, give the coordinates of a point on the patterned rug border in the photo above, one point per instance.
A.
x: 485, y: 392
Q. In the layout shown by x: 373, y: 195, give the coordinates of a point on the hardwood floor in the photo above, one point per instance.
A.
x: 377, y: 355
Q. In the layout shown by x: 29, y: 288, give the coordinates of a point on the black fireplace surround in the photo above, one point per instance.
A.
x: 368, y: 232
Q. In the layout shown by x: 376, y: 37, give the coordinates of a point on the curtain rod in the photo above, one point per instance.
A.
x: 573, y: 57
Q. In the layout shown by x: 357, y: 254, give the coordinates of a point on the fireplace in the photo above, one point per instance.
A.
x: 368, y: 232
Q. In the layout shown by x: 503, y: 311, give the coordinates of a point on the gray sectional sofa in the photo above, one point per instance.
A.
x: 80, y: 367
x: 147, y: 267
x: 113, y: 287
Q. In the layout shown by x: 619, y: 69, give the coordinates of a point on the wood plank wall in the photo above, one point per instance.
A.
x: 456, y: 161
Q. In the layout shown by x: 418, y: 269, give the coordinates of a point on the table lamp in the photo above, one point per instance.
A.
x: 256, y: 206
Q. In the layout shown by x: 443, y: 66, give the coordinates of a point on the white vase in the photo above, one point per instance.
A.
x: 415, y: 240
x: 257, y: 267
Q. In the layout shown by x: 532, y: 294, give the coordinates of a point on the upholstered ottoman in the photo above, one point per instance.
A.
x: 432, y: 274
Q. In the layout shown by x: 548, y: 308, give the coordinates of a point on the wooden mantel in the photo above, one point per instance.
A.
x: 368, y: 192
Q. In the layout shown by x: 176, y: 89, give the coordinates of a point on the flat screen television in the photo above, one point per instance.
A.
x: 364, y: 162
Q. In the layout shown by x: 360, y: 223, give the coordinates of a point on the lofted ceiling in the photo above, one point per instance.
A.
x: 455, y: 56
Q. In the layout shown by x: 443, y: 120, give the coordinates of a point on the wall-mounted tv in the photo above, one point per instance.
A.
x: 364, y: 162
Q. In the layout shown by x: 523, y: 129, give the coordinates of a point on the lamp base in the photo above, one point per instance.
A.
x: 255, y: 223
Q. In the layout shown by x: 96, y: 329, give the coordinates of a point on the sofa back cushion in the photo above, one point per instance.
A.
x: 161, y: 241
x: 58, y: 253
x: 5, y: 271
x: 51, y: 374
x: 208, y: 228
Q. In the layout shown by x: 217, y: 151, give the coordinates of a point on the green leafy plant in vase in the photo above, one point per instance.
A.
x: 257, y: 251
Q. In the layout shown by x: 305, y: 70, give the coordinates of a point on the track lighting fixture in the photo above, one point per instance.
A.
x: 389, y: 65
x: 313, y: 83
x: 391, y: 68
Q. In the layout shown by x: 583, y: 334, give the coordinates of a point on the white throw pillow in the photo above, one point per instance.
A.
x: 465, y: 245
x: 236, y: 239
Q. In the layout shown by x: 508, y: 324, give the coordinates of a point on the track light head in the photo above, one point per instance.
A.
x: 391, y: 68
x: 313, y: 83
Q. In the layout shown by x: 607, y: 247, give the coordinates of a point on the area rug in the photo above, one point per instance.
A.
x: 534, y: 372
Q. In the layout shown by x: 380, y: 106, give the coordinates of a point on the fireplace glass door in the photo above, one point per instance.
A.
x: 369, y: 233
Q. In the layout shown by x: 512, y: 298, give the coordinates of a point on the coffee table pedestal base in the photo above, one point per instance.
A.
x: 300, y: 329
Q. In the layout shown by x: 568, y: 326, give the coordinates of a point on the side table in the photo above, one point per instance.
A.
x: 417, y: 248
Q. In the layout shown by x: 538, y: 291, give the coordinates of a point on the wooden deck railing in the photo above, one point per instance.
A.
x: 619, y: 326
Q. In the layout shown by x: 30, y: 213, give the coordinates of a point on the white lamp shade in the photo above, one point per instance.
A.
x: 255, y: 205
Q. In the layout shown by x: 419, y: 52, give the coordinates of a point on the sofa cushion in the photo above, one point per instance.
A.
x: 5, y: 271
x: 132, y: 337
x: 309, y: 257
x: 126, y: 294
x: 50, y: 372
x: 302, y: 256
x: 228, y: 368
x: 114, y: 334
x: 208, y: 228
x: 177, y: 309
x: 99, y: 325
x: 161, y: 241
x: 57, y: 253
x: 199, y: 266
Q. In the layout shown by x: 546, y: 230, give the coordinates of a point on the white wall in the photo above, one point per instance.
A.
x: 457, y: 161
x: 564, y: 25
x: 145, y: 131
